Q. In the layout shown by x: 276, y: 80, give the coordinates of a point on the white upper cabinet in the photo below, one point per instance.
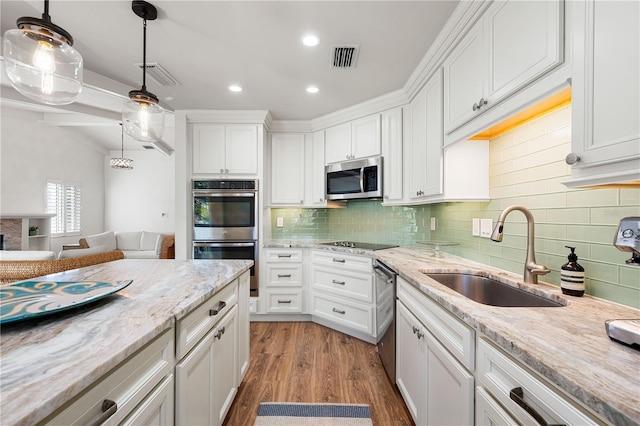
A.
x: 314, y: 171
x: 513, y: 44
x: 606, y: 93
x: 287, y: 168
x: 392, y: 155
x: 356, y: 139
x: 225, y: 149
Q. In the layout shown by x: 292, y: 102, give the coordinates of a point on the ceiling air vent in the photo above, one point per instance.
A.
x: 344, y: 56
x: 148, y: 147
x: 160, y: 75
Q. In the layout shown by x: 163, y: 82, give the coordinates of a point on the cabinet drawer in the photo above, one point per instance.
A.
x: 127, y: 385
x: 284, y: 300
x: 284, y: 255
x: 501, y: 376
x: 284, y: 275
x: 353, y: 315
x: 341, y: 261
x: 455, y: 335
x: 157, y: 408
x: 194, y: 326
x: 354, y: 285
x: 489, y: 412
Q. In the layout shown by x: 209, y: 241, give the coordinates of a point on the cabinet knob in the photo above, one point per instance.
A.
x: 226, y: 170
x: 482, y: 102
x: 320, y: 200
x: 221, y: 170
x: 571, y: 158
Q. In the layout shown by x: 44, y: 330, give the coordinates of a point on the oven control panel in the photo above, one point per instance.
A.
x: 225, y: 184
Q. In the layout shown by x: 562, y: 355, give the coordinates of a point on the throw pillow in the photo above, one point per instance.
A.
x: 65, y: 254
x: 128, y: 240
x: 107, y: 239
x: 149, y: 240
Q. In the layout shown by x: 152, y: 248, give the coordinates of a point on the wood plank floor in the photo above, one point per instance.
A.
x: 306, y: 362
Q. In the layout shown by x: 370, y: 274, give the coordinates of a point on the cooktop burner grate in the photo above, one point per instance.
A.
x: 364, y: 246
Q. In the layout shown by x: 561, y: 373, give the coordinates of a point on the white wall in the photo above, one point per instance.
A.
x: 31, y: 153
x: 142, y: 198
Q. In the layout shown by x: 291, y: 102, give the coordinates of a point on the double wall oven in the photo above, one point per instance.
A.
x: 225, y: 222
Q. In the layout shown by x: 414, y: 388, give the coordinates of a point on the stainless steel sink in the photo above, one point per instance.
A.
x: 491, y: 292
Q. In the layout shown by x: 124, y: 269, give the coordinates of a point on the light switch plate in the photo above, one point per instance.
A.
x: 486, y: 227
x: 279, y: 222
x: 475, y: 227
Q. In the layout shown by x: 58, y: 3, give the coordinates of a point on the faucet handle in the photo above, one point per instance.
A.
x: 538, y: 269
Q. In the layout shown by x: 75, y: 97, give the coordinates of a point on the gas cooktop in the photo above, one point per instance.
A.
x: 364, y: 246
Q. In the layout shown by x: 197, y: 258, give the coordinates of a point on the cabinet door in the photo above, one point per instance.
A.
x: 194, y: 382
x: 489, y: 412
x: 224, y: 359
x: 365, y: 137
x: 392, y: 154
x: 241, y: 154
x: 426, y: 140
x: 287, y: 169
x: 464, y: 80
x: 243, y: 326
x: 525, y: 40
x: 411, y: 361
x: 315, y: 173
x: 208, y: 148
x: 338, y: 143
x: 156, y: 409
x: 449, y: 393
x: 606, y: 105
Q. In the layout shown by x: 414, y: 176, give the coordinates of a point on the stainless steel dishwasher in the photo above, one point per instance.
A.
x: 386, y: 291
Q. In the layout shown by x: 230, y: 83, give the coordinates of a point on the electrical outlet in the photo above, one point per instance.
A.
x: 433, y: 223
x: 475, y: 227
x: 486, y: 227
x: 279, y: 222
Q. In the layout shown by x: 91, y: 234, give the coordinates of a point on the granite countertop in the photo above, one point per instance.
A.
x: 567, y: 345
x: 47, y: 361
x: 317, y: 244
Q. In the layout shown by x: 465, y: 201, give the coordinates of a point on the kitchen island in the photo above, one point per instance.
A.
x: 48, y: 361
x: 567, y: 346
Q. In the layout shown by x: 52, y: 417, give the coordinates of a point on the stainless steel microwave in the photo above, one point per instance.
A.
x: 356, y: 179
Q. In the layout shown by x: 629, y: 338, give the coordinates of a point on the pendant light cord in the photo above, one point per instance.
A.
x: 45, y: 14
x: 144, y: 54
x: 122, y: 141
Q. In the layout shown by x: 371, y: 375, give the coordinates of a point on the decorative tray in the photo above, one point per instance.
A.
x: 29, y: 299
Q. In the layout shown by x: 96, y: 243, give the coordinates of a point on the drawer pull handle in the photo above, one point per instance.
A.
x: 284, y: 255
x: 284, y: 275
x: 217, y: 309
x: 109, y: 408
x: 338, y: 282
x: 338, y: 260
x: 218, y: 335
x: 284, y: 301
x: 338, y: 311
x: 517, y: 395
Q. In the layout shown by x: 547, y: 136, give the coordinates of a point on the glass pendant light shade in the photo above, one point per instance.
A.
x: 143, y: 120
x: 142, y: 117
x: 40, y: 61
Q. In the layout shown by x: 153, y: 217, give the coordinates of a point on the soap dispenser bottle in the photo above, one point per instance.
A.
x: 572, y: 276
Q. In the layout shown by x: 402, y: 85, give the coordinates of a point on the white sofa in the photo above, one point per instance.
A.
x: 134, y: 245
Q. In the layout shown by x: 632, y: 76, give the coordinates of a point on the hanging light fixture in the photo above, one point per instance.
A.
x: 121, y: 162
x: 142, y: 117
x: 41, y: 62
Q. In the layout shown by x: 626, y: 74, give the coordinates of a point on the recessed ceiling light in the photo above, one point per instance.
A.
x: 312, y: 89
x: 168, y: 98
x: 310, y: 40
x: 235, y: 88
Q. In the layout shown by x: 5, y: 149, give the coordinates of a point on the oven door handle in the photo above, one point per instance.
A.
x: 210, y: 244
x: 224, y: 194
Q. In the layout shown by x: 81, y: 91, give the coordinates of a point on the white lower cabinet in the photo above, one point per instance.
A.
x: 437, y: 389
x: 137, y: 389
x: 206, y: 377
x: 284, y: 292
x: 489, y: 412
x: 524, y: 396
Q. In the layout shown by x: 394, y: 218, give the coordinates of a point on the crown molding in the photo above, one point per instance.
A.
x: 228, y: 116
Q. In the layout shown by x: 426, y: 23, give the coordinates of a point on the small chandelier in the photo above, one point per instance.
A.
x: 40, y: 61
x: 121, y: 162
x: 142, y: 117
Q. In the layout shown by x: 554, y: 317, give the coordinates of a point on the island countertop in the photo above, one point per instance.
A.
x: 45, y: 362
x: 567, y: 345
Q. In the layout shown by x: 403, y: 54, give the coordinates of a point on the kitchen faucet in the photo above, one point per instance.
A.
x: 531, y: 268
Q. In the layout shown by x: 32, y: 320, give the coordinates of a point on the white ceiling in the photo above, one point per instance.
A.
x: 208, y: 45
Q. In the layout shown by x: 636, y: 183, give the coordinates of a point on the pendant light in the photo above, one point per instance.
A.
x: 41, y: 62
x: 121, y: 162
x: 142, y: 117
